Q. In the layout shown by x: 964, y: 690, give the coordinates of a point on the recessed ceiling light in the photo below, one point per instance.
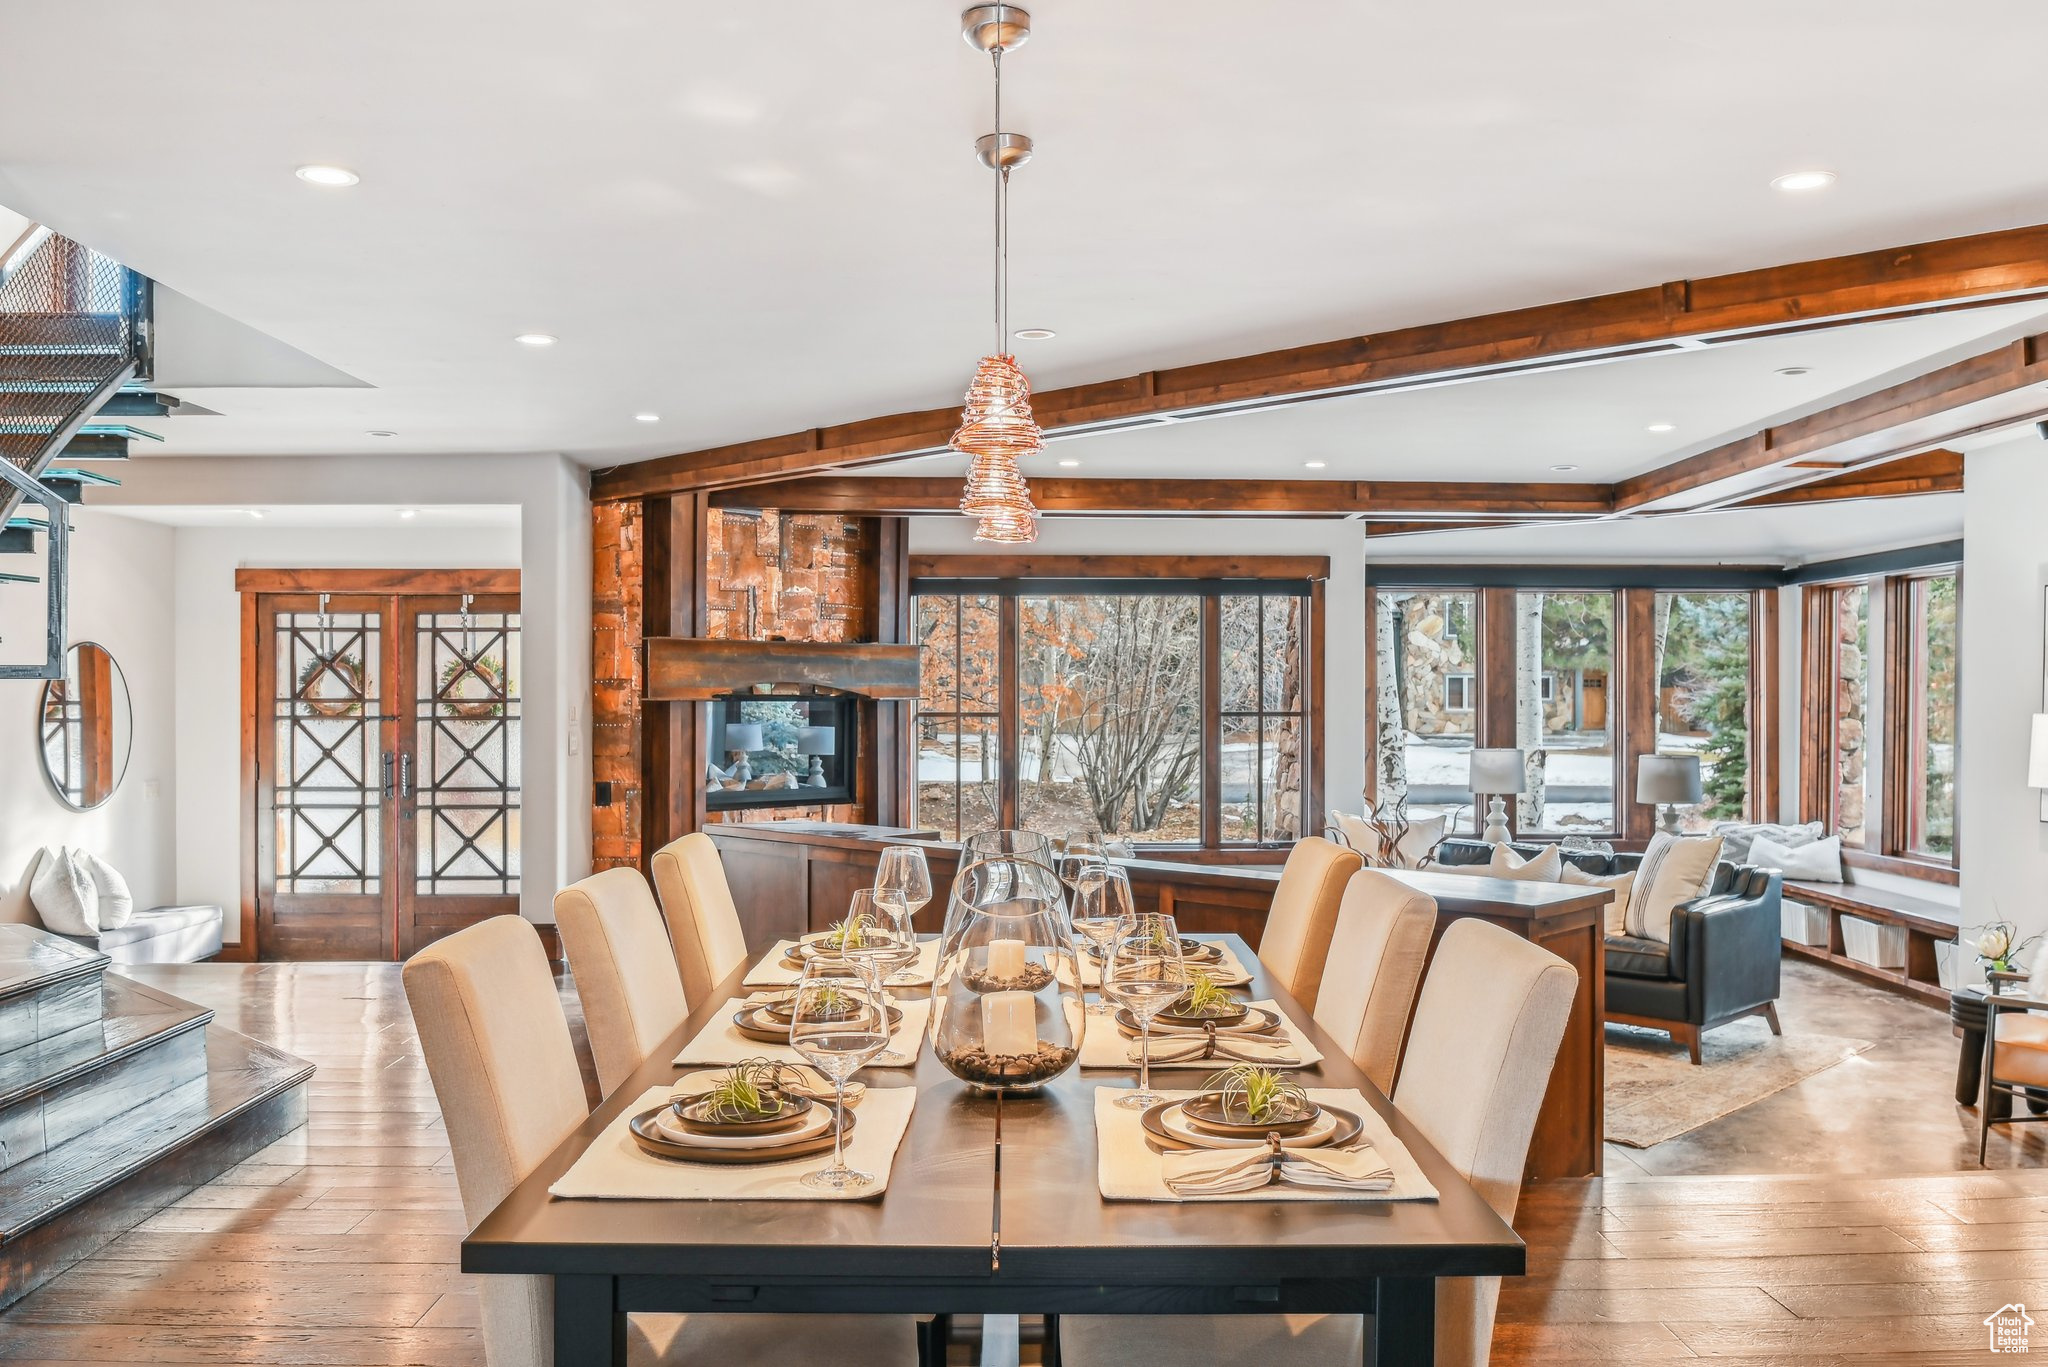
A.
x: 1564, y: 469
x: 535, y: 339
x: 1070, y: 465
x: 1804, y: 180
x: 1035, y: 334
x: 647, y: 417
x: 408, y: 514
x: 1796, y: 370
x: 1314, y: 464
x: 381, y: 432
x: 333, y: 177
x: 1661, y: 427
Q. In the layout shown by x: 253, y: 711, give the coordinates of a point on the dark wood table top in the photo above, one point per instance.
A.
x: 943, y: 1207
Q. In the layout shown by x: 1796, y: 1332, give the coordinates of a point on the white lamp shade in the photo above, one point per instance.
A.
x: 1668, y: 778
x: 743, y: 735
x: 816, y: 740
x: 2037, y: 754
x: 1499, y: 771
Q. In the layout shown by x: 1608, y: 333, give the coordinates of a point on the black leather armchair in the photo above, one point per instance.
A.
x: 1721, y: 963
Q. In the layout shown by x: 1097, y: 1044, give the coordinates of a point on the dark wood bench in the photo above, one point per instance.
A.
x: 1926, y: 923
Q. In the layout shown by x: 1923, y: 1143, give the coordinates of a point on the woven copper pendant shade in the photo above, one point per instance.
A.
x: 996, y: 429
x: 1008, y: 527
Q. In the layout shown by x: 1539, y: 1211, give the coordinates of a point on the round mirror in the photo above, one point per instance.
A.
x: 85, y: 727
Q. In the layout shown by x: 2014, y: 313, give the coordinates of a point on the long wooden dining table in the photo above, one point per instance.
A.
x: 992, y: 1208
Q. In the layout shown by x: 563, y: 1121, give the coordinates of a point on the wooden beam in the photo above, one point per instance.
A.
x: 1029, y: 566
x: 687, y: 669
x: 1399, y: 499
x: 1925, y: 278
x: 376, y: 581
x: 1932, y: 472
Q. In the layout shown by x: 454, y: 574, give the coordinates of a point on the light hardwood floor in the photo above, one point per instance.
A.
x: 337, y: 1245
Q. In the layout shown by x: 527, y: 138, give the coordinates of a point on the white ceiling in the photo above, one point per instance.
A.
x: 753, y: 219
x: 344, y: 516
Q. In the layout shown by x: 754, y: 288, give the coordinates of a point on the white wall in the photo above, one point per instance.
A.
x: 1344, y: 732
x: 209, y: 663
x: 555, y: 570
x: 2005, y: 566
x: 120, y: 598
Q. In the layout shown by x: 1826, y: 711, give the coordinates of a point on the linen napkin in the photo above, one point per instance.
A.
x: 772, y: 972
x: 719, y: 1042
x: 613, y: 1168
x: 1127, y: 1168
x: 1104, y: 1046
x: 1231, y: 972
x: 1216, y: 1172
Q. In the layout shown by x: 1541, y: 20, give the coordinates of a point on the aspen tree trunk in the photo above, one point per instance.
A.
x: 1662, y: 615
x: 1529, y: 707
x: 1390, y: 742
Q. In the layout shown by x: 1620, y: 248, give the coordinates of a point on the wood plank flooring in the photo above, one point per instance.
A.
x: 337, y: 1244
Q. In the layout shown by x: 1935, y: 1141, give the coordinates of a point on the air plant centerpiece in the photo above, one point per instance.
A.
x: 1207, y: 999
x: 1251, y: 1095
x: 747, y: 1091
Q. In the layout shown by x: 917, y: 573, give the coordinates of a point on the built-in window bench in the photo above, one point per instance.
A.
x: 1905, y: 931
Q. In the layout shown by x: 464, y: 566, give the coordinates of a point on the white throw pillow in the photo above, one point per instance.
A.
x: 64, y: 894
x: 1819, y: 862
x: 1422, y: 836
x: 1537, y: 868
x: 1738, y: 836
x: 1621, y: 884
x: 1675, y: 869
x: 117, y: 904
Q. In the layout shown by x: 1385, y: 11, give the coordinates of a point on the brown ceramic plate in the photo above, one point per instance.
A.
x: 1222, y: 1021
x: 1349, y: 1127
x: 1257, y: 1020
x: 691, y: 1114
x: 653, y: 1141
x: 1207, y: 1112
x: 756, y: 1022
x: 1191, y: 951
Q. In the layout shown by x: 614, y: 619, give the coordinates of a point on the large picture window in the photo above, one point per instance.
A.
x: 1165, y: 712
x: 1704, y: 696
x: 1427, y: 644
x: 1929, y: 778
x: 1564, y: 663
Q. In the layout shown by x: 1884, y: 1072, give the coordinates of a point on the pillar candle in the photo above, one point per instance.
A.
x: 1005, y: 959
x: 1009, y: 1023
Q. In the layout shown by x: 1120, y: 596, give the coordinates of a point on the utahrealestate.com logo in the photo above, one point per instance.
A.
x: 2008, y: 1327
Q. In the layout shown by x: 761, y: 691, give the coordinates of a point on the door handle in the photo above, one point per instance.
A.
x: 387, y: 775
x: 405, y: 775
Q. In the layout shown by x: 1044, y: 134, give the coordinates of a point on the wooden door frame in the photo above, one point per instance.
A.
x: 249, y: 584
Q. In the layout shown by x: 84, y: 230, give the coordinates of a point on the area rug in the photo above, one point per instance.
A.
x: 1655, y: 1093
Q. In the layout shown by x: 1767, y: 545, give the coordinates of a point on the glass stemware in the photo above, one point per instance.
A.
x: 904, y: 876
x: 1144, y: 973
x: 1077, y: 855
x: 887, y: 946
x: 1102, y: 905
x: 839, y: 1022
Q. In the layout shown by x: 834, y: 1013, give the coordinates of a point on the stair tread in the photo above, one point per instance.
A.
x: 134, y: 1017
x: 31, y: 958
x: 240, y: 1073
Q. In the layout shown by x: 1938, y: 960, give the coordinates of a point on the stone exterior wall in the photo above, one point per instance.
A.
x: 1430, y: 654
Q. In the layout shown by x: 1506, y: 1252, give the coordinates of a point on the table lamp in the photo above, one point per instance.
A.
x: 817, y: 742
x: 741, y: 737
x: 1497, y: 772
x: 1668, y: 780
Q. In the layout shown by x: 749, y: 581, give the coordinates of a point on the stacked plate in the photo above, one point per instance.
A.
x: 1194, y: 953
x: 690, y: 1130
x: 1247, y: 1020
x: 1204, y: 1122
x: 768, y: 1021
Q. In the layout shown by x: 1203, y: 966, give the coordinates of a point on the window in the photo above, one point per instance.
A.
x: 1564, y: 644
x: 1839, y: 615
x: 1928, y: 778
x: 1167, y: 712
x: 1703, y: 696
x: 1427, y: 644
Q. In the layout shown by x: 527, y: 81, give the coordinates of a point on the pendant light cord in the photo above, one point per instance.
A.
x: 1002, y: 224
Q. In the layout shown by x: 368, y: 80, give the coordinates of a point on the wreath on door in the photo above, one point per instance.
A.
x: 485, y: 670
x: 347, y: 670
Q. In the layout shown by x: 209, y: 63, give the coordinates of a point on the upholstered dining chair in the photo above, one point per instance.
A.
x: 1296, y: 941
x: 1486, y: 1035
x: 703, y: 925
x: 619, y: 953
x: 497, y: 1048
x: 1374, y: 969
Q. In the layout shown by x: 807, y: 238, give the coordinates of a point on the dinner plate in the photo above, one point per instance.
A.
x: 652, y: 1139
x: 1191, y: 951
x: 814, y: 1121
x: 1167, y: 1127
x: 816, y: 1083
x: 1207, y: 1114
x: 1257, y: 1021
x: 690, y: 1113
x: 1226, y: 1020
x: 756, y: 1022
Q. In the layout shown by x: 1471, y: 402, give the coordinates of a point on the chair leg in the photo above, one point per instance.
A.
x: 1984, y: 1102
x: 1689, y: 1036
x: 1771, y: 1018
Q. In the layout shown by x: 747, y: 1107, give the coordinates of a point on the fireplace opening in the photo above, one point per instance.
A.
x: 780, y: 751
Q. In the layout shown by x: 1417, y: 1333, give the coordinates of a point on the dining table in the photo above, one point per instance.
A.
x: 992, y: 1207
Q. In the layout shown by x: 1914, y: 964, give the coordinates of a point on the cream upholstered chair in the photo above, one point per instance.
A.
x: 619, y: 953
x: 1486, y: 1035
x: 703, y: 925
x: 1375, y: 966
x: 1296, y: 941
x: 497, y: 1047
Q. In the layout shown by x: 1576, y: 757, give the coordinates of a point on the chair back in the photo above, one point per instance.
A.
x: 497, y: 1048
x: 1296, y: 941
x: 703, y: 924
x: 1374, y: 969
x: 1486, y: 1036
x: 625, y: 971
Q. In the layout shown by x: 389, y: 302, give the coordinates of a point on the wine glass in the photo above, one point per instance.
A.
x: 904, y: 876
x: 1102, y: 906
x: 840, y: 1021
x: 1077, y: 855
x: 887, y: 945
x: 1144, y: 972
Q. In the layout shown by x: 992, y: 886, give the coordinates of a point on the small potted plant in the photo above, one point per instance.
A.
x: 1999, y: 948
x: 744, y: 1094
x: 1206, y: 1002
x: 1246, y: 1096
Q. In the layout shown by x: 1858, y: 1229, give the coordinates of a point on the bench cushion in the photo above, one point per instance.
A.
x: 162, y: 935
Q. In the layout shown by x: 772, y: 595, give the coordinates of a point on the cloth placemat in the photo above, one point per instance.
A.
x: 772, y: 972
x: 719, y: 1042
x: 614, y: 1169
x: 1230, y: 973
x: 1104, y: 1046
x: 1128, y: 1170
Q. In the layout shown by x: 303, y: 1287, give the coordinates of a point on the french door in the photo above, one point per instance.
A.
x: 385, y: 769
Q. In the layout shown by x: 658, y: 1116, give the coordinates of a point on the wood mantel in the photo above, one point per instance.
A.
x: 697, y: 669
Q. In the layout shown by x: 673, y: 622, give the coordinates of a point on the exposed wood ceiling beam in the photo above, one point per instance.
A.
x: 1931, y: 472
x: 1929, y: 277
x: 1413, y: 500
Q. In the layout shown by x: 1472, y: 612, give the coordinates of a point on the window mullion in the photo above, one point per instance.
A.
x: 1211, y: 693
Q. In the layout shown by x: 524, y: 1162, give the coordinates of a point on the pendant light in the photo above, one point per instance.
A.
x: 996, y: 427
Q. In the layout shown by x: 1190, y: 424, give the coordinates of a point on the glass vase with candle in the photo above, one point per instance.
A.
x: 1006, y: 1001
